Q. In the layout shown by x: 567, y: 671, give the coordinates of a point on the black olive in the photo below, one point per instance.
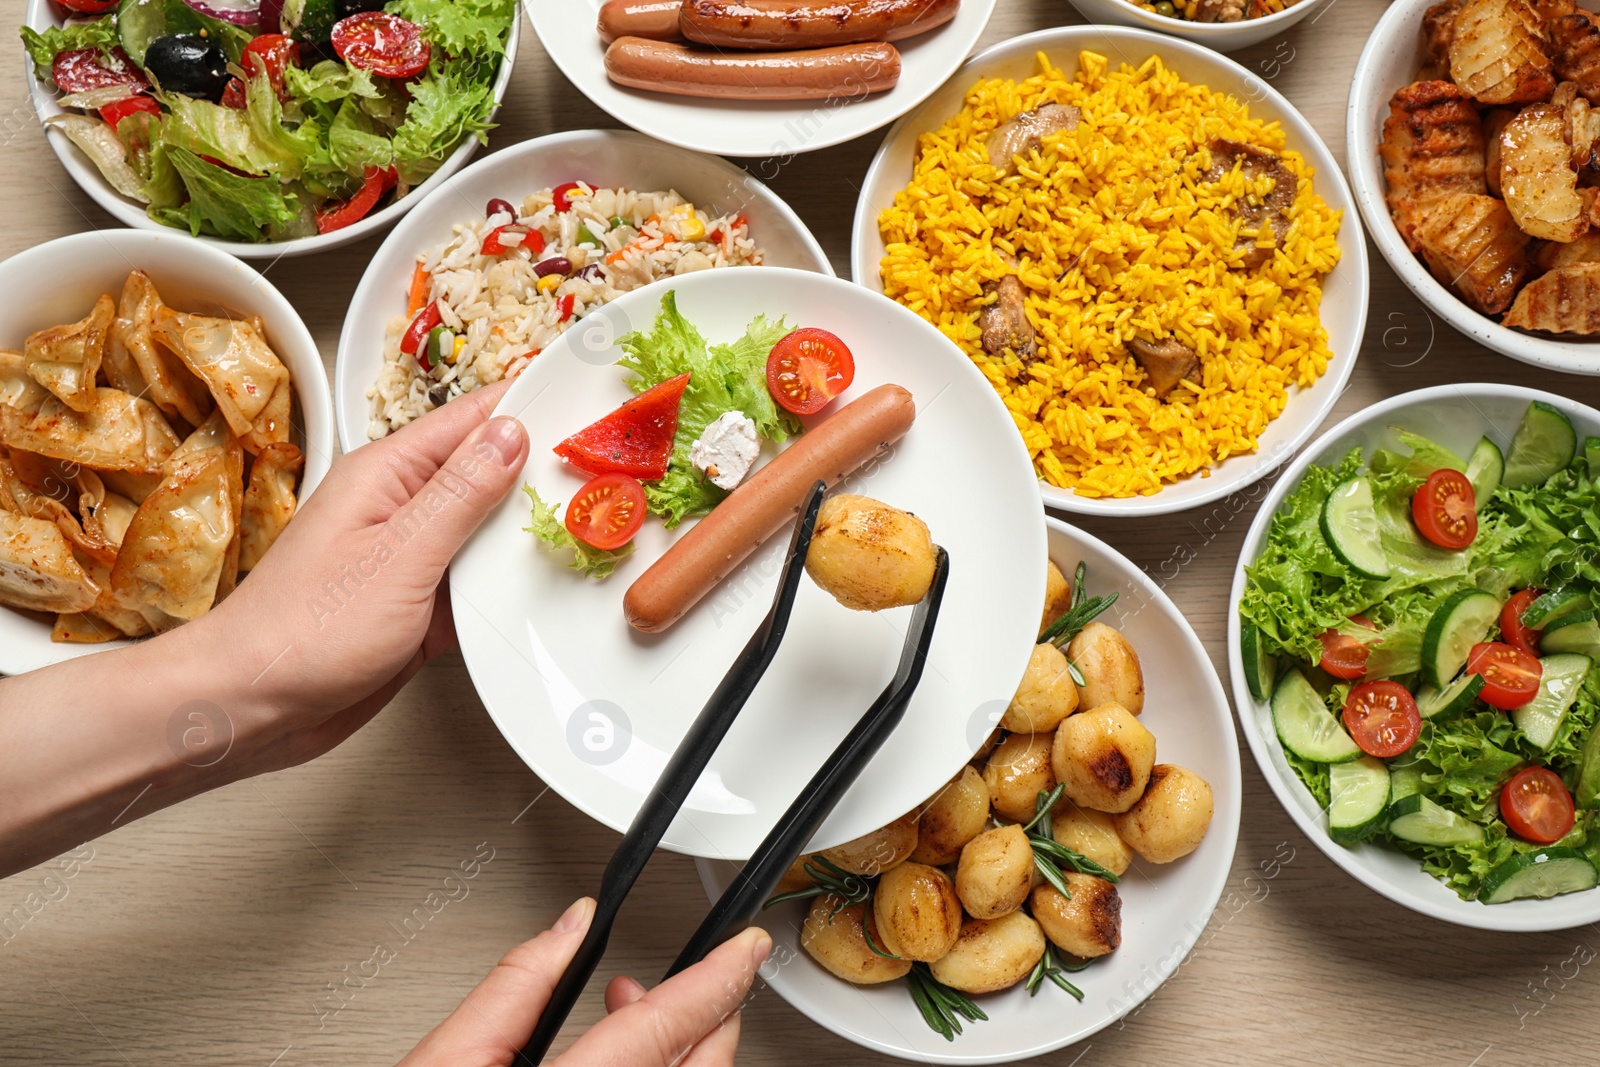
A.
x: 187, y: 63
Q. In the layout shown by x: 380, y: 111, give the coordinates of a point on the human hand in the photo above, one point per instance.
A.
x: 690, y: 1020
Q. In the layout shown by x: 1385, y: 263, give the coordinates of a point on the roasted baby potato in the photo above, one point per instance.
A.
x: 992, y: 954
x: 1433, y: 145
x: 879, y: 851
x: 990, y: 743
x: 1103, y: 758
x: 1109, y: 666
x: 1497, y: 52
x: 1575, y: 51
x: 995, y: 873
x: 1057, y: 595
x: 1170, y: 820
x: 796, y: 878
x: 1090, y: 834
x: 948, y: 821
x: 1438, y: 27
x: 836, y: 941
x: 1536, y: 175
x: 1087, y: 924
x: 1046, y: 696
x: 868, y: 555
x: 1474, y: 248
x: 1565, y: 300
x: 1016, y: 771
x: 917, y: 912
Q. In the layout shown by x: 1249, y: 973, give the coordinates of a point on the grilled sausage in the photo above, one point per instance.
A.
x: 653, y: 19
x: 811, y: 74
x: 785, y: 24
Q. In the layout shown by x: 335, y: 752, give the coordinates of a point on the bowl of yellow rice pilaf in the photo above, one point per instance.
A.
x: 1147, y: 251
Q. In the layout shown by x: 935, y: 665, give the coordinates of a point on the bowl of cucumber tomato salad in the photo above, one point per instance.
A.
x: 269, y: 127
x: 1416, y: 652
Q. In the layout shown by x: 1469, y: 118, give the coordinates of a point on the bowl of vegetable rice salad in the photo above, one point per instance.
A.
x: 528, y: 244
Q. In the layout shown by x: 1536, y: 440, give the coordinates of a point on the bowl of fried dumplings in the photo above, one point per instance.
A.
x: 163, y: 411
x: 1474, y: 152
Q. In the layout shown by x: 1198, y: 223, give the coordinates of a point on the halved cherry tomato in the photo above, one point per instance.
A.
x: 385, y: 44
x: 79, y: 70
x: 1382, y: 718
x: 1345, y: 656
x: 807, y: 369
x: 118, y: 110
x: 411, y: 344
x: 607, y: 511
x: 1446, y: 509
x: 89, y: 7
x: 635, y: 439
x: 271, y: 54
x: 561, y: 195
x: 373, y: 186
x: 1510, y: 675
x: 1536, y: 806
x: 1516, y: 633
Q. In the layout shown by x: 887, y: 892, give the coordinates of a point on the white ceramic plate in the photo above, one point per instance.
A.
x: 1223, y: 36
x: 1344, y: 292
x: 609, y: 157
x: 780, y: 130
x: 1456, y: 416
x: 59, y: 281
x: 1164, y: 907
x: 596, y: 708
x: 44, y: 13
x: 1390, y: 60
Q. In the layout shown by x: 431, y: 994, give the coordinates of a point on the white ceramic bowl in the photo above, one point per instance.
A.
x: 610, y: 157
x: 1389, y: 62
x: 1164, y: 907
x: 1456, y: 416
x: 777, y: 130
x: 1223, y: 36
x: 1344, y: 293
x: 43, y: 13
x: 58, y: 282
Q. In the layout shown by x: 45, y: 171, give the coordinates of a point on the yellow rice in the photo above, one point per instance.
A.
x: 1118, y: 236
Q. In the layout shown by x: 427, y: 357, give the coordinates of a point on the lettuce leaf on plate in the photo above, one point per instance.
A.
x: 226, y: 204
x: 461, y: 27
x: 548, y: 527
x: 449, y: 103
x: 43, y: 46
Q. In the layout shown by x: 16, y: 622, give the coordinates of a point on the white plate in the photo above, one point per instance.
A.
x: 1390, y: 60
x: 45, y: 13
x: 1456, y: 416
x: 1164, y: 907
x: 59, y: 281
x: 1223, y: 36
x: 777, y: 129
x: 609, y: 157
x: 596, y: 708
x: 1344, y: 291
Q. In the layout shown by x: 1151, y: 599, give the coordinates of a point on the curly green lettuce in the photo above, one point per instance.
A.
x: 547, y: 526
x: 44, y: 45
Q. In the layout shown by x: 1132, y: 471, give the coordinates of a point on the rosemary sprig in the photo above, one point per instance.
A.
x: 1049, y: 967
x: 828, y: 878
x: 1082, y: 611
x: 942, y: 1007
x: 1049, y: 855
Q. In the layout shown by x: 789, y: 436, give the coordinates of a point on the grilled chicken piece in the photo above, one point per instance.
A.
x: 1166, y: 363
x: 1566, y: 300
x: 1438, y: 27
x: 1219, y: 11
x: 1536, y: 175
x: 1022, y: 135
x: 1432, y: 147
x: 1253, y: 211
x: 1005, y: 322
x: 1575, y: 51
x: 1497, y: 52
x: 1474, y: 247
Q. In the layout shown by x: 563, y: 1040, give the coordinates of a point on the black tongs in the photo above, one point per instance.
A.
x: 743, y: 898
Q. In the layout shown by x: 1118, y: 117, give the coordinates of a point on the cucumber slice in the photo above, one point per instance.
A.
x: 1306, y: 726
x: 1556, y: 604
x: 1587, y: 795
x: 1544, y: 443
x: 1591, y: 455
x: 1544, y: 873
x: 1260, y: 666
x: 1578, y: 632
x: 1559, y: 679
x: 1350, y: 525
x: 1459, y: 623
x: 1405, y: 779
x: 1419, y: 820
x: 1360, y: 792
x: 1485, y: 468
x: 1452, y: 699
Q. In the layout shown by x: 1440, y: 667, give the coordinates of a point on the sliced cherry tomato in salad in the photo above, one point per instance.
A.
x: 411, y: 343
x: 807, y: 369
x: 635, y: 439
x: 271, y: 54
x: 373, y: 186
x: 1536, y: 806
x: 1446, y: 509
x: 1515, y: 632
x: 1382, y: 718
x: 118, y: 110
x: 89, y: 7
x: 78, y: 70
x: 1510, y: 675
x: 388, y: 46
x: 607, y: 511
x: 561, y: 195
x: 1343, y: 655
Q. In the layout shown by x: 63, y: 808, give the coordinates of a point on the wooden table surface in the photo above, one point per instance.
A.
x: 216, y: 932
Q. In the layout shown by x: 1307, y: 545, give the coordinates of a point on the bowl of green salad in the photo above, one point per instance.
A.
x: 1415, y: 652
x: 266, y: 127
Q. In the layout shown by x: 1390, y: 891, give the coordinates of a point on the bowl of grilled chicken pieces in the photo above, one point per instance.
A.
x: 1474, y: 150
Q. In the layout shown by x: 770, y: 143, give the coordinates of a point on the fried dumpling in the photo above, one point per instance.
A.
x: 269, y: 502
x: 1474, y: 247
x: 37, y: 569
x: 65, y: 359
x: 119, y: 432
x: 162, y: 376
x: 135, y: 485
x: 235, y: 362
x: 1564, y: 300
x: 1497, y: 52
x: 82, y: 628
x: 1432, y: 147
